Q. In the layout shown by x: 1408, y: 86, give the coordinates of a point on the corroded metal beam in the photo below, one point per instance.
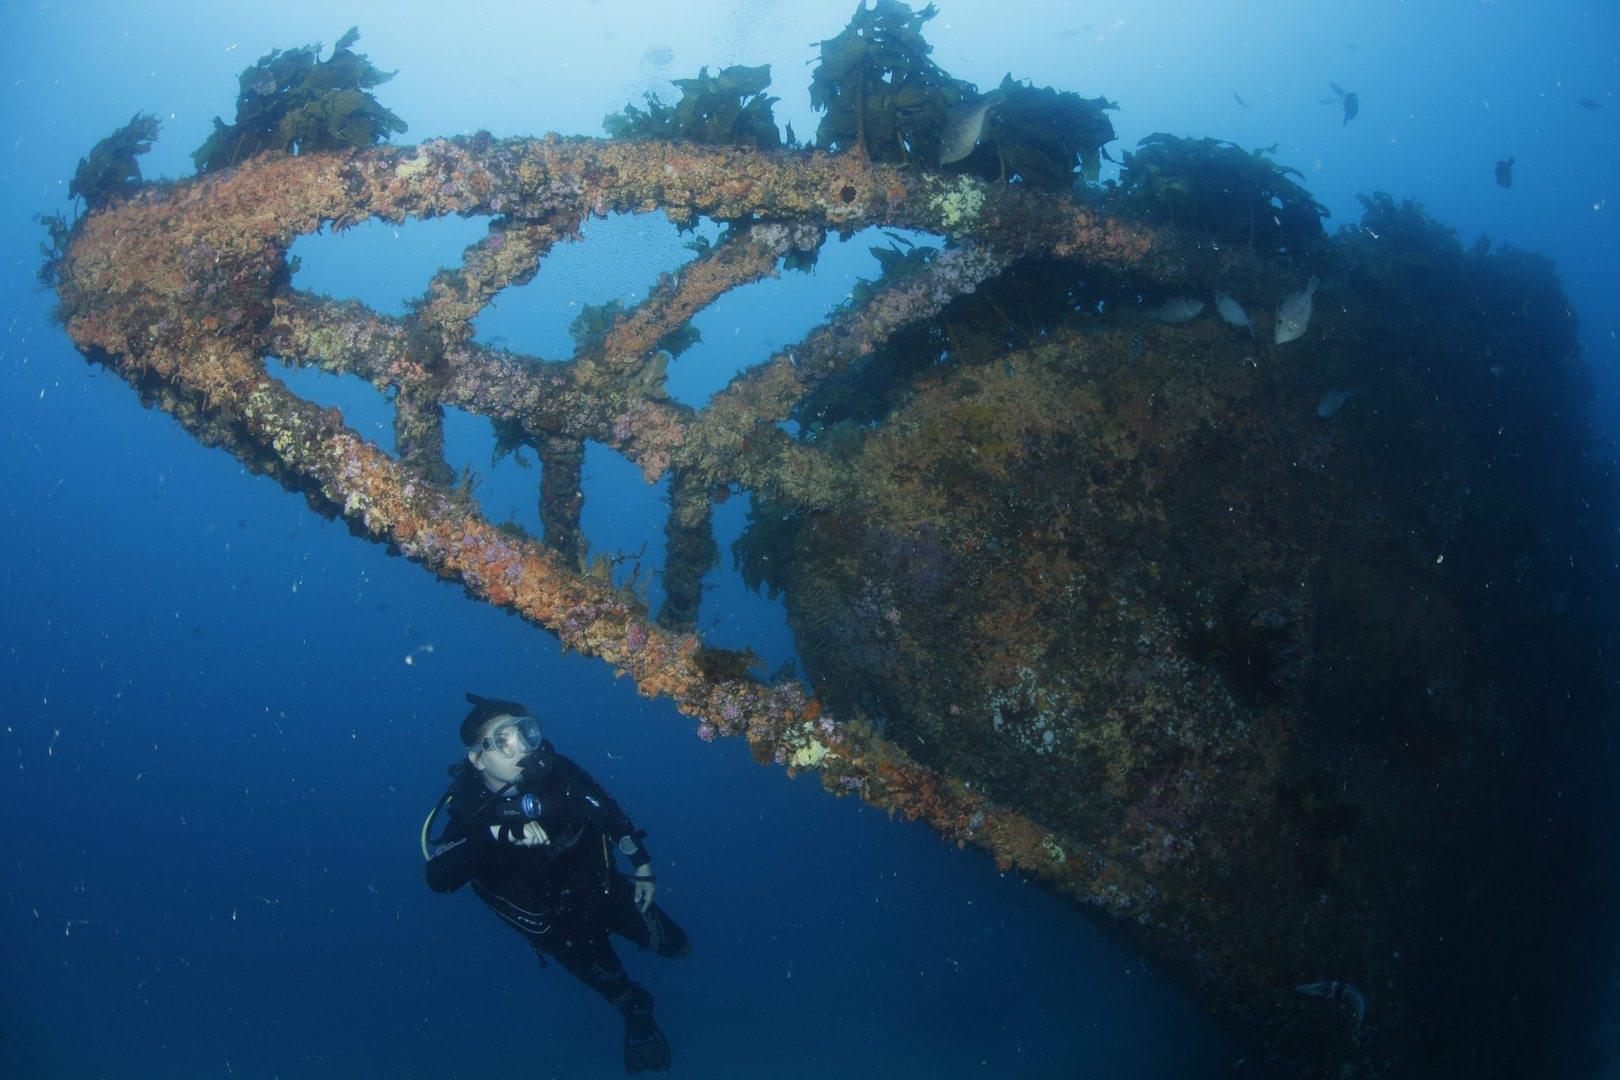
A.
x: 689, y: 549
x: 562, y: 495
x: 677, y: 297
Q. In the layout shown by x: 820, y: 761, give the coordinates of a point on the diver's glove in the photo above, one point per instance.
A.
x: 645, y: 887
x: 630, y: 844
x: 645, y: 1048
x: 530, y: 834
x: 514, y: 822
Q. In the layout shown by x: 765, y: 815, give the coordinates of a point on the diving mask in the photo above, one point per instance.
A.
x: 520, y: 735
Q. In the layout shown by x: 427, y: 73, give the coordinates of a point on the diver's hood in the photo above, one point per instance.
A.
x: 483, y: 710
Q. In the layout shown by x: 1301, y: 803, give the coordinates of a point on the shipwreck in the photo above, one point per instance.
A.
x: 1283, y: 657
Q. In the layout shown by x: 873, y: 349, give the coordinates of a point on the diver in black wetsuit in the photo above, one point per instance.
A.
x: 535, y: 835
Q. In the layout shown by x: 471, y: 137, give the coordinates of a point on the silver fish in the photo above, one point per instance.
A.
x: 1337, y: 991
x: 1177, y: 309
x: 1133, y: 351
x: 1333, y: 401
x: 964, y: 127
x: 1294, y: 314
x: 1232, y: 313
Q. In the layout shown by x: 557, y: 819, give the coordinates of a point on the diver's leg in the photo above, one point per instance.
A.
x: 651, y: 929
x: 589, y: 956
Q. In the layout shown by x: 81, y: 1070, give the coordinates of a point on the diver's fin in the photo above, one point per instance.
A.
x: 645, y: 1048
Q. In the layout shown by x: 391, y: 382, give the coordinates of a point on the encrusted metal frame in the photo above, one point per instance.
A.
x: 184, y: 290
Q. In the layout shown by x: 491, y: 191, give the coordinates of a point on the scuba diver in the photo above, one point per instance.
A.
x: 536, y: 837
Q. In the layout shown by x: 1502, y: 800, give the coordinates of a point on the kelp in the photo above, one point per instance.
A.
x: 773, y: 526
x: 60, y: 233
x: 591, y: 326
x: 1411, y: 267
x: 881, y: 92
x: 1217, y: 189
x: 898, y: 260
x: 865, y: 388
x: 796, y: 258
x: 1036, y: 135
x: 111, y: 171
x: 1403, y: 228
x: 295, y: 102
x: 728, y: 109
x: 879, y: 89
x: 716, y: 663
x: 510, y: 439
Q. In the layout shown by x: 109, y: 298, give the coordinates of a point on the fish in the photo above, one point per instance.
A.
x: 964, y: 127
x: 1333, y: 401
x: 1177, y: 309
x: 1239, y: 100
x: 1294, y: 314
x: 1349, y: 99
x: 1232, y: 313
x: 1591, y: 106
x: 1133, y: 351
x: 1334, y: 990
x: 659, y: 55
x: 1504, y: 173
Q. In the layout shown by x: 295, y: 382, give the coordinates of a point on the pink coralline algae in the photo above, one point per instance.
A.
x: 487, y: 549
x: 578, y: 617
x: 788, y: 698
x: 635, y: 637
x: 706, y: 731
x: 427, y: 545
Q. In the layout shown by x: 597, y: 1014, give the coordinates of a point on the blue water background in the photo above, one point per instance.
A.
x: 224, y: 717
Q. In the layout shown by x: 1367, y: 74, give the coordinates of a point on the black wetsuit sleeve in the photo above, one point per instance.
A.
x: 614, y: 821
x: 452, y: 860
